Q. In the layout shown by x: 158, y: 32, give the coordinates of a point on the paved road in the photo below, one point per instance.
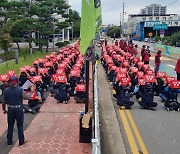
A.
x: 146, y: 131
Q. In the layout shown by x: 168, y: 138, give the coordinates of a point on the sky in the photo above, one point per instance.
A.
x: 111, y: 9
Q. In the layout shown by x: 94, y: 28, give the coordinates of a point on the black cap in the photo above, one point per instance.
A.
x: 13, y: 78
x: 159, y: 51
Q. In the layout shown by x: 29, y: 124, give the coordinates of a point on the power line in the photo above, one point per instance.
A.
x: 172, y: 3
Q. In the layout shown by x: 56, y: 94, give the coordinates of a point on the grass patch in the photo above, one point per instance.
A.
x: 13, y: 66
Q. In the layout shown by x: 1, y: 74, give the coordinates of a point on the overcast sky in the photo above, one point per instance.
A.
x: 111, y: 9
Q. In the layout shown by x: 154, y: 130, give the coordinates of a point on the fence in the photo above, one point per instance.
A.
x: 96, y: 148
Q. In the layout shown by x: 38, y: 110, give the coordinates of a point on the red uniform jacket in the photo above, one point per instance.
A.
x: 177, y: 68
x: 146, y: 56
x: 157, y: 59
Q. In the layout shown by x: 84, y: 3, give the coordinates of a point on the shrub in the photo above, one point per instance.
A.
x: 62, y: 44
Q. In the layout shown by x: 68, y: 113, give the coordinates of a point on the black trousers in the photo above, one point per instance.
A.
x: 147, y: 106
x: 35, y: 108
x: 146, y: 62
x: 15, y: 114
x: 126, y: 105
x: 178, y: 76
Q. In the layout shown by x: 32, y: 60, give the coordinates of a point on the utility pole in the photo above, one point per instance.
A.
x: 123, y: 19
x: 120, y: 26
x: 53, y: 36
x: 30, y: 33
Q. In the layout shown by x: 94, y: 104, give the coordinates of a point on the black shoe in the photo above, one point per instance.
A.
x: 33, y: 111
x: 10, y: 145
x: 23, y: 143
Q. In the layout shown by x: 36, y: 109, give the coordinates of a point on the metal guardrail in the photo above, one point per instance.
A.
x: 96, y: 148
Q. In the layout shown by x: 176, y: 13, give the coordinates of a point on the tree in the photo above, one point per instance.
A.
x: 76, y: 28
x: 5, y: 41
x: 114, y: 30
x: 76, y: 20
x: 175, y: 39
x: 38, y: 17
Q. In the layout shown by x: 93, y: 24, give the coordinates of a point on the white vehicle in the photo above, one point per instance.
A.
x: 146, y: 39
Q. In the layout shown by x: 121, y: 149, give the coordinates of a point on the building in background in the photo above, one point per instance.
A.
x: 141, y: 25
x: 154, y: 9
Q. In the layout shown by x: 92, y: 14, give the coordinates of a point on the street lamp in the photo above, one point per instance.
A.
x: 120, y: 27
x: 53, y: 37
x: 72, y: 29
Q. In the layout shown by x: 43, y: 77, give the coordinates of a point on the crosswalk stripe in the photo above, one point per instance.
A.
x: 162, y: 58
x: 172, y: 66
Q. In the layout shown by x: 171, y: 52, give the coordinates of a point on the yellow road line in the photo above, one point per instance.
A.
x: 139, y: 138
x: 129, y: 134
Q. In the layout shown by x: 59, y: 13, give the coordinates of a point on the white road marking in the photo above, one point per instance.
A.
x: 172, y: 66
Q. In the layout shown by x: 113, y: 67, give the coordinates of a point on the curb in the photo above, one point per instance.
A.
x: 111, y: 137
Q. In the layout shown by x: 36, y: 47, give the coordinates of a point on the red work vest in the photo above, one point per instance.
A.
x: 80, y: 87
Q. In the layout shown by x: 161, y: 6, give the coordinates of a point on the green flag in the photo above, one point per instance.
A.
x: 98, y: 15
x: 87, y: 31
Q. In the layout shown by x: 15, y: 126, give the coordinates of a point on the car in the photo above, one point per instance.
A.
x: 102, y: 39
x: 146, y: 39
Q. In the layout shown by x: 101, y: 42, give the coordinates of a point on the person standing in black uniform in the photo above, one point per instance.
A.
x: 13, y: 97
x: 2, y: 87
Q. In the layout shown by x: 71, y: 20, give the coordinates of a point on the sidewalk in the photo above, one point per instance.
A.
x: 54, y: 130
x: 111, y: 137
x: 3, y: 121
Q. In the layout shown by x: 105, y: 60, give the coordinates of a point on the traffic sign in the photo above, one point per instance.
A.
x: 162, y: 32
x: 160, y: 27
x: 104, y: 30
x: 161, y: 35
x: 150, y: 34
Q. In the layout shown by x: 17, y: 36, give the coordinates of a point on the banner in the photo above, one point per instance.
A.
x: 87, y: 30
x: 98, y: 15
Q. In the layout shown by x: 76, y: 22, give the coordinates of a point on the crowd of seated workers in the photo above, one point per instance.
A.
x: 132, y: 76
x: 61, y: 73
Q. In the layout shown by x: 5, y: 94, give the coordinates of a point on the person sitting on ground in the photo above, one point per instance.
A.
x: 40, y: 88
x: 159, y: 86
x: 169, y: 97
x: 80, y: 91
x: 124, y: 97
x: 60, y: 92
x: 23, y: 78
x: 73, y: 80
x: 34, y: 103
x: 46, y: 81
x: 147, y: 97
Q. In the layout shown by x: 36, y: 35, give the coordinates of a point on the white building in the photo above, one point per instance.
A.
x: 154, y: 9
x: 140, y: 25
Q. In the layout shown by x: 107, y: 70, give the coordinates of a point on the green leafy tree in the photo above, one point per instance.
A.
x: 114, y: 30
x: 175, y: 39
x: 5, y: 41
x: 38, y: 16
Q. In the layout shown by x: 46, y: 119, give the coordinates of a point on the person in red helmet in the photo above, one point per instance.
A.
x: 177, y: 69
